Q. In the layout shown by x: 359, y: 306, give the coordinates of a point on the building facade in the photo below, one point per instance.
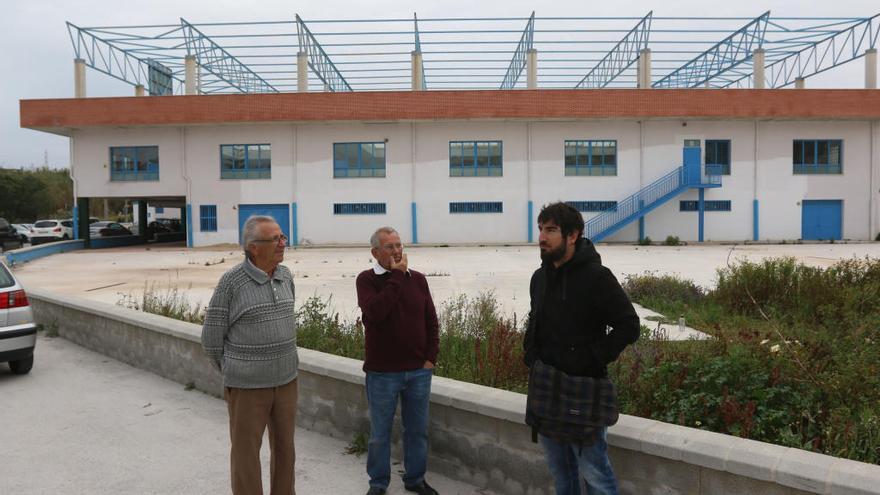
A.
x: 476, y: 166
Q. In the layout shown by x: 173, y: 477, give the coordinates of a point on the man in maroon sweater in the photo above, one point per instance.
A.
x: 402, y: 341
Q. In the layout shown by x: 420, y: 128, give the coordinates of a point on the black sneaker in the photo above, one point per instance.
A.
x: 422, y: 489
x: 376, y: 491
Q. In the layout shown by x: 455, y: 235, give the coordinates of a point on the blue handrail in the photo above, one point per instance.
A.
x: 635, y: 206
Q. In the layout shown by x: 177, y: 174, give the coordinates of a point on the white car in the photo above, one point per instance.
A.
x: 18, y: 332
x: 24, y: 232
x: 52, y: 230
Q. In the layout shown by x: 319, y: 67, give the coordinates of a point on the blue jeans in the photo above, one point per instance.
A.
x: 414, y: 390
x: 568, y: 462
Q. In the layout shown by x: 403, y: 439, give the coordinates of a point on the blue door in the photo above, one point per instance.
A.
x: 281, y: 214
x: 822, y: 220
x: 691, y: 159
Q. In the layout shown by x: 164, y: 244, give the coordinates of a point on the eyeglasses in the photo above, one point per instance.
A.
x: 275, y: 240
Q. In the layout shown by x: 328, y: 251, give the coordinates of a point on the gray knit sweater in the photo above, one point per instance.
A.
x: 250, y: 330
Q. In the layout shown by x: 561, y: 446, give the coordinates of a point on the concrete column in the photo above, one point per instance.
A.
x: 416, y: 65
x: 800, y: 83
x: 871, y: 68
x: 532, y: 69
x: 644, y: 69
x: 302, y: 72
x: 81, y: 220
x: 191, y: 75
x: 758, y: 68
x: 79, y: 78
x: 139, y: 90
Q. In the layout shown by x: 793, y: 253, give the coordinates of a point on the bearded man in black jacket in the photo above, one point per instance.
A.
x: 580, y: 321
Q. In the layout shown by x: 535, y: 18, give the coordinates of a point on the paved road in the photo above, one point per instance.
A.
x: 82, y: 423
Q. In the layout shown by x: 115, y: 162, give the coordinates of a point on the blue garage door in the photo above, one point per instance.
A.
x: 822, y: 220
x: 281, y: 214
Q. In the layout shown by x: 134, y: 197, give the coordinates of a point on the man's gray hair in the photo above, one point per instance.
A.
x: 374, y: 239
x: 250, y: 230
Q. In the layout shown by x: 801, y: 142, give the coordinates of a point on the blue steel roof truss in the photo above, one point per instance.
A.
x: 520, y: 55
x: 474, y: 53
x: 621, y: 57
x: 724, y: 55
x: 319, y: 61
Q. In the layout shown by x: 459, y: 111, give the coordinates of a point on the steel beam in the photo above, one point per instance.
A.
x: 319, y: 62
x: 839, y: 48
x: 108, y: 58
x: 621, y: 57
x: 723, y: 56
x: 518, y: 62
x: 215, y: 60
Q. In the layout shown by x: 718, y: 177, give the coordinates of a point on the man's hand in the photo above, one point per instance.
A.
x: 428, y: 365
x: 399, y: 265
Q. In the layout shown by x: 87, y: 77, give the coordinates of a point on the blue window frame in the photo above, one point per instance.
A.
x: 245, y: 161
x: 596, y: 157
x: 592, y: 206
x: 160, y: 210
x: 476, y: 159
x: 476, y: 207
x: 817, y: 156
x: 208, y: 218
x: 358, y: 160
x: 359, y: 208
x: 718, y: 156
x: 134, y: 163
x: 715, y: 205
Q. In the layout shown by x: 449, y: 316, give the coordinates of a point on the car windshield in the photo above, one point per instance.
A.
x: 45, y: 223
x: 100, y: 225
x: 6, y: 279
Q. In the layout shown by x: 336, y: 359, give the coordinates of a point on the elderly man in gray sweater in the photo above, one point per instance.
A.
x: 250, y: 336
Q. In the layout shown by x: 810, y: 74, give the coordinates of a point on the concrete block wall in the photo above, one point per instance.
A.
x: 477, y: 434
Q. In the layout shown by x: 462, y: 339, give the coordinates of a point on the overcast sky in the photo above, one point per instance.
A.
x: 39, y: 55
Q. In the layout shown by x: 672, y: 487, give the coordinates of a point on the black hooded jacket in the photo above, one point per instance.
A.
x: 580, y: 318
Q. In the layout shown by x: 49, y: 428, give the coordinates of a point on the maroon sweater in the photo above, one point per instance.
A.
x: 400, y: 322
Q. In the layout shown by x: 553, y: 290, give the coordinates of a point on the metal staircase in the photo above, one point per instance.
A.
x: 650, y: 198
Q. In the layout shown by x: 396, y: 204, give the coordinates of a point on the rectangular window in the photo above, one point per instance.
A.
x: 592, y: 206
x: 475, y: 159
x: 134, y: 163
x: 208, y: 218
x: 359, y: 208
x: 160, y: 210
x: 590, y: 158
x: 817, y: 156
x: 245, y: 161
x: 718, y: 157
x: 716, y: 205
x: 476, y: 207
x: 358, y: 160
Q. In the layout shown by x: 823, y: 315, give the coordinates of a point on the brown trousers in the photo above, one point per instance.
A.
x: 250, y: 412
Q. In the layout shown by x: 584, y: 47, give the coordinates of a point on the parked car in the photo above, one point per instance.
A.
x: 107, y: 229
x: 51, y: 230
x: 18, y: 332
x: 9, y: 238
x: 24, y: 232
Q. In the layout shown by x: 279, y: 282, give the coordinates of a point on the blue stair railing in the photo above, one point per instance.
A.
x: 647, y: 199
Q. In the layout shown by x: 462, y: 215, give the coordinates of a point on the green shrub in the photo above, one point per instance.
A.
x: 672, y: 240
x: 666, y: 293
x: 170, y: 302
x: 645, y: 241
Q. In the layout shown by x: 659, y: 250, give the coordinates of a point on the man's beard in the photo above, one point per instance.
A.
x: 552, y: 255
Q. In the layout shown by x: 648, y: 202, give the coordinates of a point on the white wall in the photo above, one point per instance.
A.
x: 780, y: 191
x: 302, y: 172
x: 203, y: 166
x: 90, y: 160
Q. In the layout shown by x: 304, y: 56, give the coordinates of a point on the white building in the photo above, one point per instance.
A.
x: 476, y: 166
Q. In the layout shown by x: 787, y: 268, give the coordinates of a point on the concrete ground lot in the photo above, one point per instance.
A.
x: 83, y: 423
x: 108, y: 274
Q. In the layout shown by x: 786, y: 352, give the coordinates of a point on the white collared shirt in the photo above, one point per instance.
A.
x: 380, y: 270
